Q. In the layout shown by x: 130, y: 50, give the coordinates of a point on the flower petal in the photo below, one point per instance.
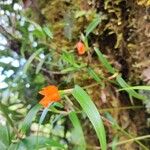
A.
x: 51, y: 94
x: 81, y: 48
x: 45, y: 101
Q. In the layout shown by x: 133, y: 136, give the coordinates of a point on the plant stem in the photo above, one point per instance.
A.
x: 125, y: 133
x: 132, y: 140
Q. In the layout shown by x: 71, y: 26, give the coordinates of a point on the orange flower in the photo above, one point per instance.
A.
x: 51, y: 94
x: 81, y: 48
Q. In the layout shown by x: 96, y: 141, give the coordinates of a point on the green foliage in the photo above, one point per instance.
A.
x: 90, y: 109
x: 41, y: 51
x: 95, y: 22
x: 131, y: 92
x: 28, y: 63
x: 119, y: 79
x: 77, y: 133
x: 48, y: 32
x: 29, y: 118
x: 114, y: 142
x: 95, y: 76
x: 30, y: 143
x: 104, y: 61
x: 4, y: 136
x: 136, y: 88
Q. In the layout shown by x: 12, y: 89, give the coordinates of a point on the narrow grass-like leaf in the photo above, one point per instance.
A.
x: 13, y: 146
x: 133, y: 93
x: 90, y: 109
x: 115, y: 125
x: 95, y: 76
x: 29, y: 118
x: 38, y: 31
x: 80, y: 13
x: 70, y: 59
x: 119, y: 79
x: 39, y: 66
x: 4, y: 135
x: 85, y: 40
x: 6, y: 112
x: 26, y: 66
x: 30, y: 143
x: 3, y: 146
x: 80, y: 141
x: 136, y: 88
x: 44, y: 113
x: 39, y: 34
x: 48, y: 32
x: 96, y: 21
x: 114, y: 142
x: 104, y: 61
x: 110, y: 118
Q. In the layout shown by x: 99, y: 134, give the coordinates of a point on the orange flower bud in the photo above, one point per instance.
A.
x: 51, y: 94
x: 81, y: 48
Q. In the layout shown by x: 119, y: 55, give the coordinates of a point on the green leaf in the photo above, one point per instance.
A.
x: 39, y: 66
x: 39, y: 79
x: 119, y: 79
x: 13, y: 146
x: 131, y: 92
x: 114, y: 143
x: 136, y: 88
x: 4, y: 109
x: 93, y: 114
x: 78, y: 133
x: 85, y: 40
x: 48, y: 32
x: 39, y: 33
x: 96, y: 21
x: 29, y: 118
x: 30, y: 143
x: 44, y: 113
x: 26, y: 66
x: 3, y: 146
x: 38, y: 29
x: 104, y: 61
x: 111, y: 119
x: 80, y: 13
x: 4, y: 135
x: 95, y: 76
x: 69, y: 58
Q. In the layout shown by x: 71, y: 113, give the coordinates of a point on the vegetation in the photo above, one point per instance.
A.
x: 74, y: 74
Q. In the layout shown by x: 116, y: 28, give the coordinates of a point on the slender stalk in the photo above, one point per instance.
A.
x: 69, y: 91
x: 116, y: 109
x: 121, y: 108
x: 124, y: 142
x: 102, y: 110
x: 132, y: 140
x: 125, y: 133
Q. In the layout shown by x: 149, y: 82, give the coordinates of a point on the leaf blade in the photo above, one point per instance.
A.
x: 31, y: 143
x: 133, y: 93
x: 93, y: 25
x: 4, y: 135
x: 104, y: 61
x: 27, y: 64
x: 78, y: 130
x: 136, y: 88
x: 29, y: 118
x: 90, y: 109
